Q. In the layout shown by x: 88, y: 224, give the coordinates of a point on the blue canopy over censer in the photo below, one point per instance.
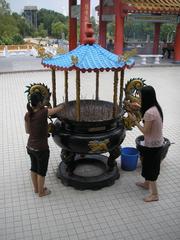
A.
x: 88, y: 57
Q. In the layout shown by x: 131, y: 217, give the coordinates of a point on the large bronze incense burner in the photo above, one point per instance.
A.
x: 96, y: 116
x: 89, y: 132
x: 83, y: 143
x: 97, y: 131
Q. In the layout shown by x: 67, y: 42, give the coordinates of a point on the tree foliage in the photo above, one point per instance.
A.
x: 110, y: 29
x: 4, y: 7
x: 168, y: 32
x: 48, y: 17
x: 59, y: 30
x: 42, y: 32
x: 14, y: 27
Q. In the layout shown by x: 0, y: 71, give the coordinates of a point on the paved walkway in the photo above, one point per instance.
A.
x: 112, y: 213
x: 29, y: 63
x: 19, y: 64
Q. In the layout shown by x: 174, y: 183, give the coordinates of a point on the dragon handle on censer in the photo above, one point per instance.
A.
x: 42, y: 89
x: 131, y: 103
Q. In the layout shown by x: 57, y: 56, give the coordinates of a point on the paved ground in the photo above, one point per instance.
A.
x: 112, y: 213
x: 29, y: 63
x: 20, y: 63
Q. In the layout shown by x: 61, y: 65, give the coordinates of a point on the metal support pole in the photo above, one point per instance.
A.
x: 77, y: 95
x: 54, y: 87
x: 97, y: 85
x: 121, y: 88
x: 115, y: 94
x: 66, y: 85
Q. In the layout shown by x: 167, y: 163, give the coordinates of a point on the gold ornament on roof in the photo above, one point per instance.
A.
x: 74, y: 60
x: 127, y: 55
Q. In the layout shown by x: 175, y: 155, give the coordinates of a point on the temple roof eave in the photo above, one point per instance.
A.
x: 87, y: 58
x: 126, y: 66
x: 151, y: 6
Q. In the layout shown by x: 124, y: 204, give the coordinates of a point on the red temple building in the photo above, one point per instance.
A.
x: 157, y: 11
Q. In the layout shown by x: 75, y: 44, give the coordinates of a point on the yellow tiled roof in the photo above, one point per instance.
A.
x: 154, y: 6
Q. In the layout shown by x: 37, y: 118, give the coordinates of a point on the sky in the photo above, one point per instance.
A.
x: 56, y: 5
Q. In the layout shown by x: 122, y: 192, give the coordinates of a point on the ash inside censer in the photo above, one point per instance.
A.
x: 90, y: 111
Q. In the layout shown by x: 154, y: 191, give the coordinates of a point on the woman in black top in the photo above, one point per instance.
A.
x: 36, y: 126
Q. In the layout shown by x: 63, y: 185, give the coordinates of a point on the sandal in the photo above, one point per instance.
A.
x: 142, y: 185
x: 151, y: 198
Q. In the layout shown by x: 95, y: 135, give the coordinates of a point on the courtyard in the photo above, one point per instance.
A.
x: 112, y: 213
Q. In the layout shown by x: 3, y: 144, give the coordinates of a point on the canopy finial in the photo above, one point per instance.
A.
x: 89, y: 39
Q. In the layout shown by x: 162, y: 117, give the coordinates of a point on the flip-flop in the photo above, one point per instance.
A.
x: 151, y: 198
x: 140, y: 184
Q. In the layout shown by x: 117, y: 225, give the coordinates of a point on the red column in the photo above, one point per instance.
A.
x: 102, y: 26
x: 177, y: 45
x: 119, y: 28
x: 72, y: 27
x: 85, y: 18
x: 157, y: 27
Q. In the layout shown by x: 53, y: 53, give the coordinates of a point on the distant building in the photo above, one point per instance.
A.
x: 30, y: 14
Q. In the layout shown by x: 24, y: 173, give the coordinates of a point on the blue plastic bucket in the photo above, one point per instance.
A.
x: 129, y: 158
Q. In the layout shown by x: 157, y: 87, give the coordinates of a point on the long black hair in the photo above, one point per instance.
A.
x: 148, y: 100
x: 34, y: 100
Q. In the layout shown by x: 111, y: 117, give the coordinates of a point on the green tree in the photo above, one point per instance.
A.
x: 24, y: 28
x: 47, y: 17
x: 58, y: 29
x: 8, y: 27
x: 168, y: 32
x: 4, y: 7
x: 9, y: 30
x: 6, y: 40
x: 128, y: 29
x: 140, y: 30
x: 42, y: 32
x: 17, y: 39
x: 110, y: 29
